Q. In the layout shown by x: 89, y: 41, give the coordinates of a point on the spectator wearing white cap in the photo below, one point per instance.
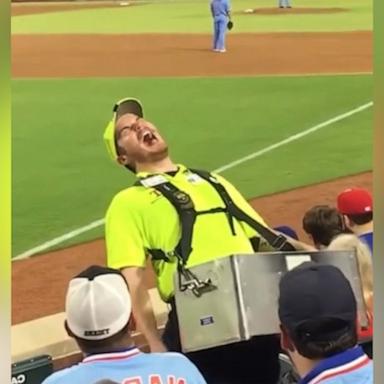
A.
x: 98, y: 311
x: 318, y: 315
x: 356, y: 205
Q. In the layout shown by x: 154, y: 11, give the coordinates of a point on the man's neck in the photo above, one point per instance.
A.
x: 303, y: 365
x: 120, y: 347
x: 160, y: 166
x: 362, y: 229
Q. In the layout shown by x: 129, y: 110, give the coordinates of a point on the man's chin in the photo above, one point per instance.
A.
x: 161, y: 155
x: 156, y: 154
x: 158, y: 151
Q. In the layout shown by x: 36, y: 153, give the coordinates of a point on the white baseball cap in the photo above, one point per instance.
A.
x: 98, y: 304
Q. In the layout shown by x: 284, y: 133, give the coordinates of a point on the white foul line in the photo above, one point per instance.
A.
x: 293, y: 138
x: 58, y: 240
x: 233, y: 164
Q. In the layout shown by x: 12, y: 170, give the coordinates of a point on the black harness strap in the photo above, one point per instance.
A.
x: 278, y: 242
x: 187, y: 213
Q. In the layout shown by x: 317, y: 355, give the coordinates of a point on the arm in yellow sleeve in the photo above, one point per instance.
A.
x: 125, y: 240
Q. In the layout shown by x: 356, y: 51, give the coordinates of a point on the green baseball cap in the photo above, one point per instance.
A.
x: 122, y: 107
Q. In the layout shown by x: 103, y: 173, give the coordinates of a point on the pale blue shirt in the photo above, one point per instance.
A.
x: 130, y: 367
x: 220, y: 9
x: 352, y: 366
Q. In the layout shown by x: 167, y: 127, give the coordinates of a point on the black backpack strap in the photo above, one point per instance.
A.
x: 185, y: 208
x: 278, y: 242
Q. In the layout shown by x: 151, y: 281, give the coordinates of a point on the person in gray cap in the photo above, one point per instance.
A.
x: 318, y: 316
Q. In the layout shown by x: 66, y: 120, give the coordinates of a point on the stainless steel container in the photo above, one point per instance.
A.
x: 243, y: 301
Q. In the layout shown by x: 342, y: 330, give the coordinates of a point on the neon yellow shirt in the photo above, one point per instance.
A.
x: 140, y: 218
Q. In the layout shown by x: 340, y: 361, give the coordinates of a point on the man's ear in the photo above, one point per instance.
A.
x: 132, y: 324
x: 348, y: 224
x: 310, y: 238
x: 285, y: 340
x: 122, y: 159
x: 69, y: 332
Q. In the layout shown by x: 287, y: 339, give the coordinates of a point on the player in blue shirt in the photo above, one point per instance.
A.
x: 356, y: 205
x: 220, y: 10
x: 98, y: 310
x: 318, y: 315
x: 285, y: 4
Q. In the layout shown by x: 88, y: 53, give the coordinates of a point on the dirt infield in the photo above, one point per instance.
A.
x: 30, y: 9
x: 289, y: 11
x: 32, y: 299
x: 18, y: 9
x: 190, y: 55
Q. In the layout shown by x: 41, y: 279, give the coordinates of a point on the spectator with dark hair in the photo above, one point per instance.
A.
x: 325, y: 227
x: 318, y: 315
x: 322, y: 224
x: 98, y: 311
x: 356, y: 206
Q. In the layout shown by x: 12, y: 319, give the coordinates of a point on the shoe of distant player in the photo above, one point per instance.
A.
x: 222, y: 50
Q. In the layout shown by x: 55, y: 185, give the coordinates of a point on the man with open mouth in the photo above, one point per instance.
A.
x: 179, y: 218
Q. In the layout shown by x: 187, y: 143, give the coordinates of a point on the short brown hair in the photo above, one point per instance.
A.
x: 323, y: 223
x: 362, y: 218
x: 322, y: 349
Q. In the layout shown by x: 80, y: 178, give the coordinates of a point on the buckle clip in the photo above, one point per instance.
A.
x: 193, y: 283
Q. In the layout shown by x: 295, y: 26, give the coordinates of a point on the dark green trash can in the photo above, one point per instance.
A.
x: 32, y: 371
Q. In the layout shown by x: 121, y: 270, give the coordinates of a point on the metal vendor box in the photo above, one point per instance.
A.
x: 239, y: 294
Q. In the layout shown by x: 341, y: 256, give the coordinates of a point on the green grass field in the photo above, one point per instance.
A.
x: 63, y: 178
x: 194, y: 17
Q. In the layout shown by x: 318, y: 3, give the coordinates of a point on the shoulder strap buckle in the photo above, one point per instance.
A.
x: 193, y: 283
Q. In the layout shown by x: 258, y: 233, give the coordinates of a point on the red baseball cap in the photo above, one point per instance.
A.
x: 354, y: 201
